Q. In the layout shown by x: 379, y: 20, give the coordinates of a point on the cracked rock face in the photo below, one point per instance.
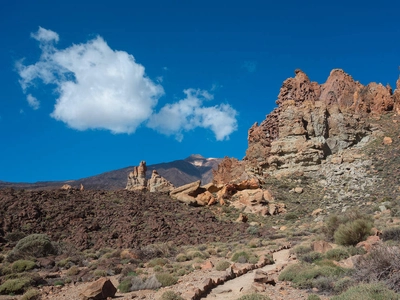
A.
x: 313, y: 121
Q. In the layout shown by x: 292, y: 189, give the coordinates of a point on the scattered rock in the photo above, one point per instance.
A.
x: 159, y: 184
x: 66, y: 187
x: 321, y: 246
x: 316, y: 212
x: 387, y: 140
x: 298, y: 190
x: 98, y: 290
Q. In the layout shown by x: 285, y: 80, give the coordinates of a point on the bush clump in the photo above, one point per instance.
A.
x: 34, y: 245
x: 22, y: 265
x: 351, y: 233
x: 244, y: 257
x: 337, y: 254
x: 392, y: 234
x: 374, y: 291
x: 135, y: 283
x: 166, y: 279
x: 222, y: 265
x: 170, y: 295
x: 15, y: 286
x: 334, y: 222
x: 381, y: 264
x: 31, y: 294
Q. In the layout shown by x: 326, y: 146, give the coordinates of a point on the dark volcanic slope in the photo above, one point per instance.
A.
x: 179, y: 172
x: 110, y: 218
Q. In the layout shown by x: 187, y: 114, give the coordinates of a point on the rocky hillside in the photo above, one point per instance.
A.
x: 179, y: 172
x: 313, y: 123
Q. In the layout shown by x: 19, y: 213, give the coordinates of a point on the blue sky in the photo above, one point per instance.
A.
x: 93, y: 86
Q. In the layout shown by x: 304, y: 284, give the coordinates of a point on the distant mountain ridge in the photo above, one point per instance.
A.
x: 179, y: 172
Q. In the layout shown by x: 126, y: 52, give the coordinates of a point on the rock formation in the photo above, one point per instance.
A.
x: 311, y: 122
x: 137, y: 180
x: 159, y: 184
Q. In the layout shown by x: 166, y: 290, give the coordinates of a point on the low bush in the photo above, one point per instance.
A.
x: 374, y: 291
x: 313, y: 297
x: 306, y: 276
x: 22, y: 265
x: 135, y: 283
x: 244, y: 257
x: 291, y: 216
x: 343, y: 284
x: 31, y: 294
x: 34, y: 245
x: 166, y: 279
x: 222, y: 265
x: 351, y: 233
x: 157, y: 262
x: 181, y: 257
x: 391, y: 234
x: 337, y: 254
x: 15, y: 286
x: 170, y: 295
x: 310, y: 257
x: 381, y: 264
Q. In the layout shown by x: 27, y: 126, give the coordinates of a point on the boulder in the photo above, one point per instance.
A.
x: 66, y: 187
x: 265, y: 277
x: 387, y: 140
x: 98, y: 290
x: 321, y: 246
x: 159, y: 184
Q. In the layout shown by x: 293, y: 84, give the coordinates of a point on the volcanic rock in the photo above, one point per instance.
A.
x: 159, y: 184
x: 98, y: 290
x: 137, y: 178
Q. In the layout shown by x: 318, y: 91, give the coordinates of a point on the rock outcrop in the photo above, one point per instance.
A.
x: 99, y: 290
x: 311, y: 122
x: 137, y: 181
x: 159, y: 184
x: 137, y: 178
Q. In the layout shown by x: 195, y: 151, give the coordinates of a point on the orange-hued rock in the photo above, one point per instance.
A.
x: 158, y: 183
x: 321, y: 246
x: 66, y: 187
x: 98, y: 290
x: 387, y: 140
x: 137, y: 178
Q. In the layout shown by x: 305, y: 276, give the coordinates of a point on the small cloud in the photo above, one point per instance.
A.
x: 190, y: 113
x: 215, y: 87
x: 21, y: 111
x: 33, y: 102
x: 159, y: 79
x: 45, y: 35
x: 165, y: 69
x: 250, y: 66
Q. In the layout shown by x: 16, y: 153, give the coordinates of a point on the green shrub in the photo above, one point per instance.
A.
x: 310, y: 257
x: 100, y: 273
x: 170, y: 295
x: 343, y: 284
x: 253, y: 230
x: 244, y: 257
x: 34, y: 245
x: 333, y: 223
x: 74, y: 270
x: 166, y: 279
x: 351, y: 233
x: 304, y: 275
x: 291, y: 216
x: 355, y: 250
x: 125, y: 285
x: 222, y: 265
x: 391, y: 234
x: 157, y: 262
x: 254, y: 297
x: 181, y: 257
x: 337, y: 254
x: 22, y: 265
x: 313, y: 297
x: 301, y: 249
x: 158, y: 269
x: 15, y: 286
x: 31, y: 294
x: 58, y: 283
x: 374, y: 291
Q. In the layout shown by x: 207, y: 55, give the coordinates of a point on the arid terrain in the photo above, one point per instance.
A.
x: 312, y: 212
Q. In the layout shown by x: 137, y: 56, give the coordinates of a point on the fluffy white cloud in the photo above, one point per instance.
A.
x: 102, y: 88
x: 33, y: 102
x: 98, y: 87
x: 190, y: 113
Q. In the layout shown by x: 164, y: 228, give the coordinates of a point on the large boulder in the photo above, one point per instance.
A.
x: 98, y: 290
x: 159, y: 184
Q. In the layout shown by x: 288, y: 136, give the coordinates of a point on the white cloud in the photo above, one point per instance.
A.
x: 101, y: 88
x: 159, y: 79
x: 250, y: 66
x: 190, y: 113
x: 45, y: 35
x: 33, y: 102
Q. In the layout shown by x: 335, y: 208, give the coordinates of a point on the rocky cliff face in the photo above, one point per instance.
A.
x: 313, y: 121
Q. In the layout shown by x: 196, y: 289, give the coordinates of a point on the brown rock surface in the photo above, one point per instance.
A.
x: 159, y: 184
x: 99, y: 290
